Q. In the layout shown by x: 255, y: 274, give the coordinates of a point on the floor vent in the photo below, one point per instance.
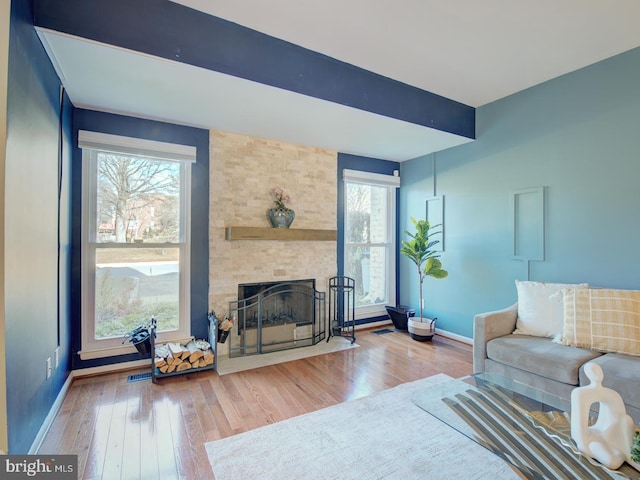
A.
x: 139, y: 377
x: 383, y: 331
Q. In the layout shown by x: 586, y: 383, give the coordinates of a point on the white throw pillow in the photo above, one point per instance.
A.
x: 538, y: 314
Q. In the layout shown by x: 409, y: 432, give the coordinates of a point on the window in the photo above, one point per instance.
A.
x: 135, y: 245
x: 370, y: 243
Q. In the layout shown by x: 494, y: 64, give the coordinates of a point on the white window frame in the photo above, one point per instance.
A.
x: 91, y: 143
x: 391, y: 182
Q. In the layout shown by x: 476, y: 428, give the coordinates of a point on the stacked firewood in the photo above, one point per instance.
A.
x: 176, y: 357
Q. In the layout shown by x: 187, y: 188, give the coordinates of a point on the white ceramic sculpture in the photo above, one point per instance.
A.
x: 610, y: 438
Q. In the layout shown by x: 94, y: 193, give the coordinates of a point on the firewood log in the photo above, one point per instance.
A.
x: 162, y: 351
x: 176, y: 349
x: 183, y: 366
x: 208, y: 357
x: 194, y: 352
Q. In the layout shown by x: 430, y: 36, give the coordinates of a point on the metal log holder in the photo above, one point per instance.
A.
x: 212, y: 332
x: 342, y: 308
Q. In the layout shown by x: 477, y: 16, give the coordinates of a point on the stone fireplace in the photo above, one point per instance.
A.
x: 243, y: 170
x: 273, y: 316
x: 280, y: 304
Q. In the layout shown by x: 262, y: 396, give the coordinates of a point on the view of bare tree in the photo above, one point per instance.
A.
x: 128, y: 187
x: 358, y: 200
x: 357, y: 231
x: 138, y: 201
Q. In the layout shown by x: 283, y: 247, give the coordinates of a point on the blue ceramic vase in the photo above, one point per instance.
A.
x: 281, y: 217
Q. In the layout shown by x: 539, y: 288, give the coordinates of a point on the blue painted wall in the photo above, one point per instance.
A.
x: 41, y: 260
x: 578, y: 136
x: 163, y: 132
x: 38, y: 137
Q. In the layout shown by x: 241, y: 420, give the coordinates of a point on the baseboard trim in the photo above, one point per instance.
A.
x: 53, y: 411
x: 454, y: 336
x: 379, y: 323
x: 439, y: 331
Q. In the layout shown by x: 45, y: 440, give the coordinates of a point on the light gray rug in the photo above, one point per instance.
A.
x: 383, y: 435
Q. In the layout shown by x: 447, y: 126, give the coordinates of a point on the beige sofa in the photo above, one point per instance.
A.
x: 545, y: 365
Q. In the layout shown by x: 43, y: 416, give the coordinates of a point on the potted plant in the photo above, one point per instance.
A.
x: 280, y: 215
x: 418, y: 250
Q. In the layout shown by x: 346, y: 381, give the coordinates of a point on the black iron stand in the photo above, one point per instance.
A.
x: 342, y: 308
x: 213, y: 326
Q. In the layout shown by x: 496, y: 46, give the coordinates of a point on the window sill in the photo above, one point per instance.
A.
x: 370, y: 312
x: 105, y: 352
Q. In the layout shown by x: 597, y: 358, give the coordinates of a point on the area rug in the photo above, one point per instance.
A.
x: 383, y: 435
x: 232, y: 365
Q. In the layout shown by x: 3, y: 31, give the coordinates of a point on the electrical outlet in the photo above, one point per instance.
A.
x: 56, y: 358
x: 49, y: 369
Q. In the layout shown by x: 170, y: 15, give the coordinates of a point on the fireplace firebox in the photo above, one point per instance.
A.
x: 272, y: 316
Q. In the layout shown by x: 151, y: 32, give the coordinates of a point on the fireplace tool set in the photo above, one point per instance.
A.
x: 342, y: 320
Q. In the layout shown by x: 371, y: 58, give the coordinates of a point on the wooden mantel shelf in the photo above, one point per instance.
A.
x: 262, y: 233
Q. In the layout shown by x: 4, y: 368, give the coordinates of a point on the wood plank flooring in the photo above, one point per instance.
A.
x: 139, y: 430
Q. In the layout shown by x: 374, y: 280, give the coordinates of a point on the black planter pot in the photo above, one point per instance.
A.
x: 400, y: 316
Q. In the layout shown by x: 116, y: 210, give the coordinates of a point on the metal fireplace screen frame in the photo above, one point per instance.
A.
x: 283, y: 316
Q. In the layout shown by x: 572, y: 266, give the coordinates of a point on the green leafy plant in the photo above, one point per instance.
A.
x: 635, y: 448
x: 418, y: 250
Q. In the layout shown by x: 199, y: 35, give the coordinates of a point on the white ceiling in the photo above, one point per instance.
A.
x: 470, y: 51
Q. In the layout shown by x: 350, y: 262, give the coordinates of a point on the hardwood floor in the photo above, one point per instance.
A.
x: 139, y: 430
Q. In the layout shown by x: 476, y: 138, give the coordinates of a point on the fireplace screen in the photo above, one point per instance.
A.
x: 274, y: 316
